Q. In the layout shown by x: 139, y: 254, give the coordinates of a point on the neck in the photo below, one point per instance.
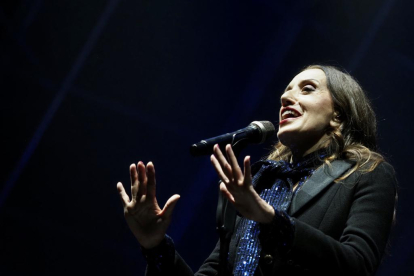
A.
x: 299, y: 152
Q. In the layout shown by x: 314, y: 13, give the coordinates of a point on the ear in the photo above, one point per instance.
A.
x: 336, y: 120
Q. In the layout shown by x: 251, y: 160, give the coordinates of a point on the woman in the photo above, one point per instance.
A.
x: 322, y: 203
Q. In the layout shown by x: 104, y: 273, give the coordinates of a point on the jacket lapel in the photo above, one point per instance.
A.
x: 321, y: 179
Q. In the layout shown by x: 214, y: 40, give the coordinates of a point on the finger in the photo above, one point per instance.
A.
x: 169, y: 206
x: 134, y: 180
x: 218, y: 169
x: 226, y: 168
x: 247, y: 171
x: 151, y: 180
x: 226, y: 193
x: 142, y: 179
x: 124, y: 196
x: 237, y: 173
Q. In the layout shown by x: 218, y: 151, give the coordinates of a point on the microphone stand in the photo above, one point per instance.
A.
x: 226, y: 218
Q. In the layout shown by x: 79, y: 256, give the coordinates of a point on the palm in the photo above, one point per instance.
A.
x: 237, y: 186
x: 147, y: 221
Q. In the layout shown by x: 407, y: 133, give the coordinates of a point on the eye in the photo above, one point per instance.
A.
x: 308, y: 88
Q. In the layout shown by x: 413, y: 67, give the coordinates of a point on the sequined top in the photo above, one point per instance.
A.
x: 275, y: 184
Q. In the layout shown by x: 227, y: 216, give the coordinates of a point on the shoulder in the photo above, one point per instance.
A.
x: 383, y: 171
x: 383, y: 175
x: 382, y: 179
x: 384, y: 168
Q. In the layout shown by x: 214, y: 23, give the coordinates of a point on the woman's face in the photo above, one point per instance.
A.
x: 307, y: 112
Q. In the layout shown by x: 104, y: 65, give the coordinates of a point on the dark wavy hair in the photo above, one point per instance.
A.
x: 355, y: 139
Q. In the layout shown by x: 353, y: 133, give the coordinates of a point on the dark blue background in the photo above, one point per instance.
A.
x: 89, y: 87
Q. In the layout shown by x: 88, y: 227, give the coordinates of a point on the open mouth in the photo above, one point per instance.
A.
x: 290, y: 113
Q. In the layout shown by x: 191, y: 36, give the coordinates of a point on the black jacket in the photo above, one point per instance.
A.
x: 340, y: 228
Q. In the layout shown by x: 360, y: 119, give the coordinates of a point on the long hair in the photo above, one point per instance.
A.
x: 355, y: 139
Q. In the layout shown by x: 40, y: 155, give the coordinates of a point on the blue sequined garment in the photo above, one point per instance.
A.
x: 274, y: 182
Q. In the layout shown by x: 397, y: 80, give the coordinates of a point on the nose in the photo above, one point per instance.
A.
x: 287, y: 98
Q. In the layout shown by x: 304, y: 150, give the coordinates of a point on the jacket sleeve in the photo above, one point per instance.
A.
x: 164, y: 260
x: 361, y: 245
x: 210, y: 266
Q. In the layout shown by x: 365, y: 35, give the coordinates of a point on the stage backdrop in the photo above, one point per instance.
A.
x: 89, y: 87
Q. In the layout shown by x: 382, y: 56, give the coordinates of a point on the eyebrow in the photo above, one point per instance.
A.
x: 302, y: 81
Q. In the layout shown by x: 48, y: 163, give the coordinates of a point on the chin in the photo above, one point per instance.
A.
x: 286, y: 138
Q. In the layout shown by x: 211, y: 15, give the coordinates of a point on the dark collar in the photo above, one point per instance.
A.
x: 321, y: 179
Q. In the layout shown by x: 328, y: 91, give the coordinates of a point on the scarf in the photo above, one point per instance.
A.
x: 274, y: 181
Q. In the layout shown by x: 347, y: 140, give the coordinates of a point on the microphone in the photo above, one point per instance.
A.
x: 257, y: 132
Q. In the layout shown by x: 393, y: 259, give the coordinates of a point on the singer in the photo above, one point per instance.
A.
x: 322, y: 203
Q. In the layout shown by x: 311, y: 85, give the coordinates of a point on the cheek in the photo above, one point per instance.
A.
x: 320, y: 114
x: 324, y: 107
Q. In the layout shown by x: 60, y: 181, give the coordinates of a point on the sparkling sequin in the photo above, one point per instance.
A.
x: 279, y: 195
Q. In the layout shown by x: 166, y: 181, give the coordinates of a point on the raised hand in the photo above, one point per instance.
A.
x: 237, y: 186
x: 147, y: 221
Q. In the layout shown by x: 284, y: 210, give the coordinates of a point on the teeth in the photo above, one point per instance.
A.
x: 288, y: 112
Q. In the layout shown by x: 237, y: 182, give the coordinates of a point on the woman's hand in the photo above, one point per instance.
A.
x: 237, y: 186
x: 146, y: 220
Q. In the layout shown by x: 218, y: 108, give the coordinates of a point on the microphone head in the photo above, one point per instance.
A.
x: 266, y: 128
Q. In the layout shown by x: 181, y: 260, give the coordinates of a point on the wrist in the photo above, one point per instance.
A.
x: 149, y: 243
x: 269, y: 214
x: 157, y: 246
x: 279, y: 233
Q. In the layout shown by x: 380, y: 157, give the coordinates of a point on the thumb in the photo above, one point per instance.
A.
x: 169, y: 206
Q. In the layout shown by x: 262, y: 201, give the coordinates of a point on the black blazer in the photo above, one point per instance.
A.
x: 340, y: 228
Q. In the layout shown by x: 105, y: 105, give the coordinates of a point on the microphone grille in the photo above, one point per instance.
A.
x: 266, y: 128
